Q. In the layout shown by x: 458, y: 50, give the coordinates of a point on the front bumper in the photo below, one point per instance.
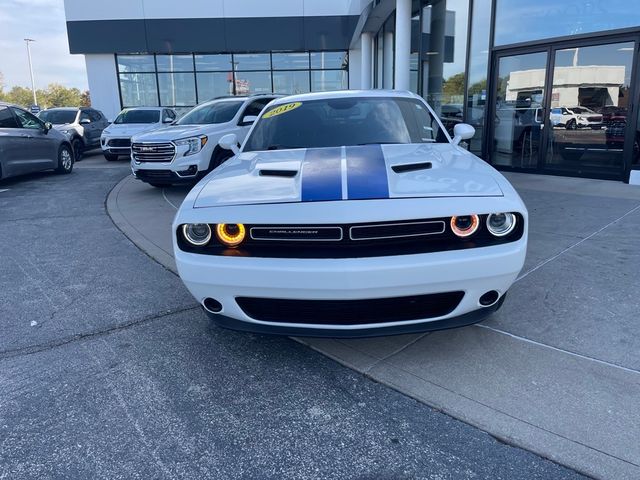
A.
x: 162, y: 176
x: 473, y: 271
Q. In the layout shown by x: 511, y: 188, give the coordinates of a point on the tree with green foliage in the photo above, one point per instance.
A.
x: 55, y: 95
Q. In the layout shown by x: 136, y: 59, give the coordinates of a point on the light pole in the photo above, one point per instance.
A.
x: 33, y: 85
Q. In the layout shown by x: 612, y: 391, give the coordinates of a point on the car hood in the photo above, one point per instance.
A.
x: 174, y: 132
x: 129, y: 129
x: 348, y: 173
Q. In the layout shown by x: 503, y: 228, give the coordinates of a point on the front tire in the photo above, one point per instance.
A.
x: 65, y: 160
x: 110, y: 158
x: 571, y: 125
x: 78, y: 148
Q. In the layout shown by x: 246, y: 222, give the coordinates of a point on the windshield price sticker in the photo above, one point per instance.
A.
x: 282, y: 109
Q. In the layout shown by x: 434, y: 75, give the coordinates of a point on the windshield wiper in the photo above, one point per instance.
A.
x: 279, y: 147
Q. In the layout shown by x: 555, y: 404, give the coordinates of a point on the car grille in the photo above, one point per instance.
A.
x: 350, y: 312
x: 157, y: 175
x: 119, y: 142
x: 594, y: 119
x: 153, y: 152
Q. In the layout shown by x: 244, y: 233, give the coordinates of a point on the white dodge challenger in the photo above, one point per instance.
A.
x: 350, y: 214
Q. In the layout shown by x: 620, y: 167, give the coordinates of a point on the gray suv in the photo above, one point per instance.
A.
x: 27, y: 144
x: 82, y: 126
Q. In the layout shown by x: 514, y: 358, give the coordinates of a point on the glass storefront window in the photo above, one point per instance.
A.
x: 213, y: 63
x: 136, y: 63
x: 589, y: 109
x: 253, y: 82
x: 214, y: 84
x: 174, y: 63
x: 322, y: 60
x: 520, y: 21
x: 252, y: 61
x: 139, y: 89
x: 291, y: 82
x: 177, y: 89
x: 290, y: 61
x: 328, y: 80
x: 477, y: 74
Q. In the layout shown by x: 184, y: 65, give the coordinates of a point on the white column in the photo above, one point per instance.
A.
x: 403, y: 44
x: 366, y: 63
x: 388, y: 60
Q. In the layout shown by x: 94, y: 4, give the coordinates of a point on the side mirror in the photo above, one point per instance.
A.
x: 248, y: 120
x: 47, y: 126
x: 167, y: 120
x: 229, y: 142
x: 84, y: 121
x: 462, y: 131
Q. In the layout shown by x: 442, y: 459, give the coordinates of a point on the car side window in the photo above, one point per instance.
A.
x: 166, y: 113
x: 7, y: 119
x: 84, y: 115
x: 27, y: 120
x: 255, y: 107
x: 94, y: 115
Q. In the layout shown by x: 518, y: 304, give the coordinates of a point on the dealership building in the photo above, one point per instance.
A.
x: 551, y: 87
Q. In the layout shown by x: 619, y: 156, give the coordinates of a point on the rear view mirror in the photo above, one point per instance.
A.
x: 47, y: 126
x: 229, y: 142
x: 84, y: 121
x: 167, y: 120
x: 248, y: 120
x: 462, y: 131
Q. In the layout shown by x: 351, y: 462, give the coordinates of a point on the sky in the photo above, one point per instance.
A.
x: 44, y: 21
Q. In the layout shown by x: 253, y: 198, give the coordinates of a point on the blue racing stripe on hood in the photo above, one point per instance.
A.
x: 366, y: 173
x: 321, y: 175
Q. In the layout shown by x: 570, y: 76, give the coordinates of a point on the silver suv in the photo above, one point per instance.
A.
x: 27, y: 144
x: 82, y: 126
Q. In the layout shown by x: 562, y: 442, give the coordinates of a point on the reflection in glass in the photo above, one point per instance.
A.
x: 138, y: 89
x: 444, y: 50
x: 291, y: 82
x: 520, y: 21
x: 253, y: 82
x: 213, y: 63
x: 328, y: 80
x: 214, y: 84
x: 589, y: 108
x: 329, y: 60
x: 290, y: 61
x: 519, y: 110
x: 174, y: 63
x: 477, y: 74
x: 177, y: 89
x: 252, y: 61
x: 136, y: 63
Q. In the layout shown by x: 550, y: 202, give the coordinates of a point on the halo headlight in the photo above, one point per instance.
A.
x: 230, y: 234
x: 197, y: 234
x: 465, y: 225
x: 501, y: 224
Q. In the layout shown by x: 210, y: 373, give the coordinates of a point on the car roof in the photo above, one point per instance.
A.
x: 66, y: 108
x: 146, y: 108
x: 232, y: 98
x: 378, y: 93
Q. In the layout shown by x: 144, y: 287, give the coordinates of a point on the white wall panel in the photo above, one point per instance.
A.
x: 355, y: 77
x: 103, y: 84
x: 104, y: 10
x: 263, y: 8
x: 184, y: 8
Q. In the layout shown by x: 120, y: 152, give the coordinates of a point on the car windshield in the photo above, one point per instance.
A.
x: 581, y: 110
x: 58, y: 117
x: 138, y: 116
x: 348, y: 121
x: 218, y: 112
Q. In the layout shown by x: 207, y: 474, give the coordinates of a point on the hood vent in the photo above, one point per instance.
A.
x: 411, y: 167
x: 278, y: 173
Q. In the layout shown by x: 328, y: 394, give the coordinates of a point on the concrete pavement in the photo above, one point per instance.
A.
x: 556, y: 371
x: 109, y: 370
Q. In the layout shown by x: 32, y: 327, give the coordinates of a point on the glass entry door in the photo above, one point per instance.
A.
x: 590, y: 103
x: 518, y: 120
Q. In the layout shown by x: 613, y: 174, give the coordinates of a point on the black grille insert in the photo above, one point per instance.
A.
x: 350, y: 312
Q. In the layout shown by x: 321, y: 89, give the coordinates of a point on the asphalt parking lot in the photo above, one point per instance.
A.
x: 108, y: 369
x: 556, y: 371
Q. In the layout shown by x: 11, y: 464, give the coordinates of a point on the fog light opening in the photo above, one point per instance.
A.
x: 211, y: 305
x: 489, y: 298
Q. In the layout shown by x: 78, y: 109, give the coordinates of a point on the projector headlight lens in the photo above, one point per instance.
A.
x: 230, y: 234
x: 501, y: 224
x: 465, y: 225
x: 197, y: 234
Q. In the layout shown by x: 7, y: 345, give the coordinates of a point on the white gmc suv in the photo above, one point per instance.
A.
x: 186, y: 150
